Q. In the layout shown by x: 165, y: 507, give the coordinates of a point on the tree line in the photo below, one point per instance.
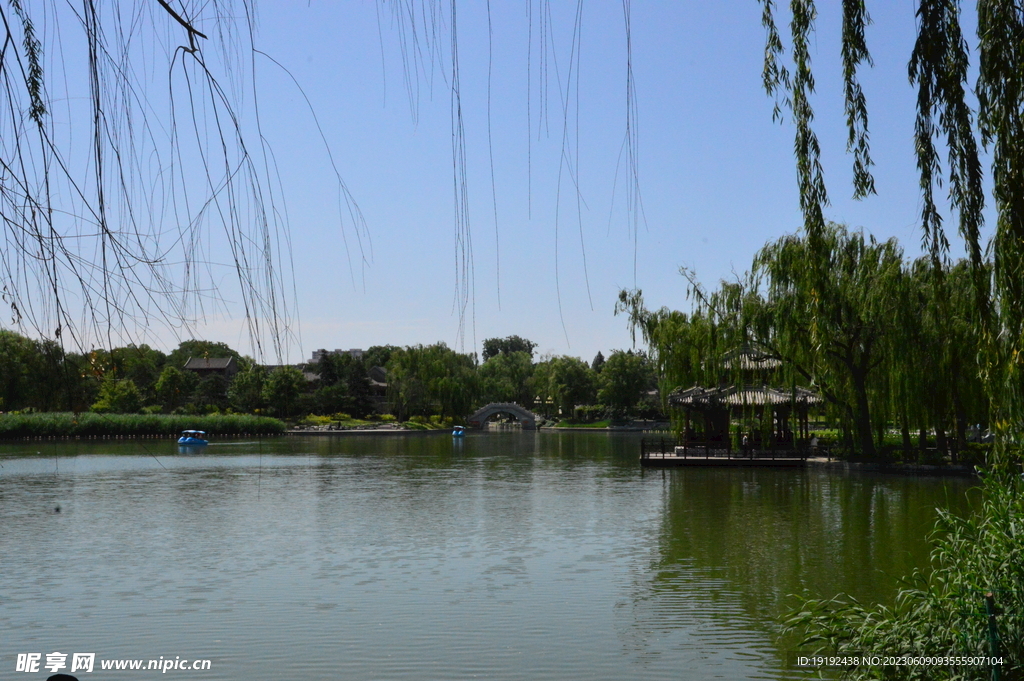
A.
x: 437, y: 380
x: 419, y: 380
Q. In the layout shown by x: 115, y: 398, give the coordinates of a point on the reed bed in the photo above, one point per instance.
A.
x: 19, y: 426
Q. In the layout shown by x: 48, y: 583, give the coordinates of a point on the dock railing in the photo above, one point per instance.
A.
x: 665, y: 448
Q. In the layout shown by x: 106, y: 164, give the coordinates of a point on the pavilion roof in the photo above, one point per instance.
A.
x: 749, y: 357
x: 209, y: 363
x: 698, y: 397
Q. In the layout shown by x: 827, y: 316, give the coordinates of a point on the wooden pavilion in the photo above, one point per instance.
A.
x: 771, y: 418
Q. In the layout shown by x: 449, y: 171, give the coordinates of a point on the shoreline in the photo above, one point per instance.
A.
x: 819, y: 462
x: 896, y: 468
x: 366, y: 431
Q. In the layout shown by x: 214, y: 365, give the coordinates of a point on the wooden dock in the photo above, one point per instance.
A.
x: 666, y: 454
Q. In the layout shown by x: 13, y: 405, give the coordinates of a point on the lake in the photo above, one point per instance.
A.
x: 503, y: 555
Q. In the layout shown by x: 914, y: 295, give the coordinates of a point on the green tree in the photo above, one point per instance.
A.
x: 938, y: 68
x: 344, y: 385
x: 78, y: 388
x: 246, y: 393
x: 140, y: 363
x: 832, y: 332
x: 540, y: 387
x: 118, y: 397
x: 506, y: 346
x: 283, y: 388
x: 688, y: 349
x: 934, y: 378
x: 211, y: 392
x: 378, y: 355
x: 18, y: 356
x: 505, y: 377
x: 975, y: 558
x: 571, y: 383
x: 174, y: 387
x: 432, y: 379
x: 624, y: 379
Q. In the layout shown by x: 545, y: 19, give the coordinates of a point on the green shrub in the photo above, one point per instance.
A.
x: 314, y: 420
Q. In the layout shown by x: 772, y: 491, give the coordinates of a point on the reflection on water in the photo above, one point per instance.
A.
x: 505, y: 555
x: 735, y: 545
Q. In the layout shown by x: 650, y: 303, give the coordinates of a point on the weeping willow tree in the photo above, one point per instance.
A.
x: 833, y: 331
x: 433, y: 379
x: 938, y: 613
x: 934, y: 379
x: 691, y: 349
x: 172, y: 185
x: 947, y: 120
x: 676, y: 342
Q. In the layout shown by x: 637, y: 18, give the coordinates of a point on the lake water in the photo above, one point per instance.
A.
x: 506, y: 555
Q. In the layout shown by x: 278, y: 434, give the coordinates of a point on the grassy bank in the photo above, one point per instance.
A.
x: 580, y: 424
x: 16, y: 426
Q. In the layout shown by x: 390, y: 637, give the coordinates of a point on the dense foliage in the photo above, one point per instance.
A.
x: 961, y: 356
x: 506, y: 346
x: 878, y: 339
x: 411, y: 382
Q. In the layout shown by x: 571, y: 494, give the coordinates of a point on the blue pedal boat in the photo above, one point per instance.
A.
x: 193, y: 438
x: 459, y: 431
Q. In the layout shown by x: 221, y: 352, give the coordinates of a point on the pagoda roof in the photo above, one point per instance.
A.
x: 698, y: 397
x: 749, y: 357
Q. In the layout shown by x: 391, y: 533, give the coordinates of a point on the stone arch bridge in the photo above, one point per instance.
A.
x: 527, y: 418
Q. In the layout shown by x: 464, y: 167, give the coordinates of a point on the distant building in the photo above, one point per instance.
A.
x: 209, y: 366
x: 355, y: 353
x: 379, y: 389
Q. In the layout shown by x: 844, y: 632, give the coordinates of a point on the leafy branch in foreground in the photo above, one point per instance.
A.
x: 943, y: 612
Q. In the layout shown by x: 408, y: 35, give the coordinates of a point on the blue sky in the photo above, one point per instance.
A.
x: 716, y: 173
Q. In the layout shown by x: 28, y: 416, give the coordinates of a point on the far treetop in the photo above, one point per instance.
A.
x: 506, y: 346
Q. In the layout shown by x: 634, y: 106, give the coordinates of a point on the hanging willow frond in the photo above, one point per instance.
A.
x: 810, y: 176
x: 133, y: 224
x: 775, y: 76
x: 33, y: 55
x: 938, y: 66
x: 855, y: 52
